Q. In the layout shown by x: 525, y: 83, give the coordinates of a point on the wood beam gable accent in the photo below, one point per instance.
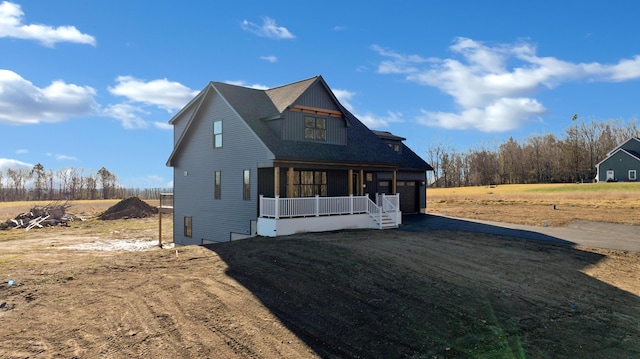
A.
x: 316, y: 110
x: 340, y: 165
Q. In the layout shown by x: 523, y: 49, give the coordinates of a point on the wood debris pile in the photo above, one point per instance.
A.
x: 42, y: 216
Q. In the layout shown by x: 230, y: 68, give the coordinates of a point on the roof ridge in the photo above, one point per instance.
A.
x: 293, y: 83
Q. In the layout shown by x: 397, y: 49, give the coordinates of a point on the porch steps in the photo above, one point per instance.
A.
x: 387, y: 221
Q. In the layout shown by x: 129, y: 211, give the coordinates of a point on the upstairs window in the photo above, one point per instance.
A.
x: 315, y: 128
x: 217, y: 134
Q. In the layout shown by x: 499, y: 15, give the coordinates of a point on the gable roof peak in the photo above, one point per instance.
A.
x: 285, y: 95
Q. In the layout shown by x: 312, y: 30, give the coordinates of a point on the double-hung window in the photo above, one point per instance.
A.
x: 315, y: 128
x: 217, y: 134
x: 632, y: 175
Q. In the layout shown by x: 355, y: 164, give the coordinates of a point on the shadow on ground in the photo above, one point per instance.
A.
x: 442, y: 291
x: 426, y: 222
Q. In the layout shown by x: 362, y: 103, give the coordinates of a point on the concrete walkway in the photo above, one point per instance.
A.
x: 584, y: 233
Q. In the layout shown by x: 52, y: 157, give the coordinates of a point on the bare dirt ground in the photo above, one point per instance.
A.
x: 385, y: 294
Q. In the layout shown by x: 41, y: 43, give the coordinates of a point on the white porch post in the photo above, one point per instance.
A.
x: 261, y: 204
x: 317, y: 205
x: 277, y: 207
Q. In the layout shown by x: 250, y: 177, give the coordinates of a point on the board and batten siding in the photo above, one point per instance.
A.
x: 293, y: 128
x: 213, y: 219
x: 317, y: 96
x: 292, y: 125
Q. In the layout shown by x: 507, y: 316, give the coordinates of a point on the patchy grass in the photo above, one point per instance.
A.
x: 534, y: 204
x: 91, y: 227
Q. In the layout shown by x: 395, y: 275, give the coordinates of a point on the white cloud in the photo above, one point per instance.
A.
x: 503, y: 115
x: 161, y: 93
x: 165, y: 94
x: 163, y: 125
x: 373, y: 121
x: 22, y: 151
x: 272, y: 59
x: 369, y: 119
x: 127, y: 114
x: 21, y: 102
x: 494, y: 86
x: 398, y: 63
x: 344, y: 96
x: 61, y: 157
x: 11, y: 26
x: 6, y: 163
x: 244, y: 84
x: 268, y: 29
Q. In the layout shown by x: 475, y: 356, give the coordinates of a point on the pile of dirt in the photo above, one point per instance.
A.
x: 132, y: 207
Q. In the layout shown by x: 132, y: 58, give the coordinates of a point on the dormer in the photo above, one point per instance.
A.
x: 309, y: 112
x: 394, y: 142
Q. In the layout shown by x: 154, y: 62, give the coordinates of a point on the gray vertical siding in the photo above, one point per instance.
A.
x: 193, y: 193
x: 316, y: 96
x: 293, y: 128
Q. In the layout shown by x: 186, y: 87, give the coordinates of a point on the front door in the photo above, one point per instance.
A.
x: 610, y: 175
x: 355, y: 184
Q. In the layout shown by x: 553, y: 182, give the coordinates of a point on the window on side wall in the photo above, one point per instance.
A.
x: 246, y: 185
x: 632, y: 175
x: 188, y: 226
x: 217, y: 185
x: 217, y: 134
x: 315, y: 128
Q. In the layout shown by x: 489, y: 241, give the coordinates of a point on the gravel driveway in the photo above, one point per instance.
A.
x: 584, y: 233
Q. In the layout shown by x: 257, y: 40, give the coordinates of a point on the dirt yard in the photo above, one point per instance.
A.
x: 359, y: 294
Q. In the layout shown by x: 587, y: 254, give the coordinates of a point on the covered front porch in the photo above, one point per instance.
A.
x: 285, y: 216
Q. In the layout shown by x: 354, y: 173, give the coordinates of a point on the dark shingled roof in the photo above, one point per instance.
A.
x: 363, y: 145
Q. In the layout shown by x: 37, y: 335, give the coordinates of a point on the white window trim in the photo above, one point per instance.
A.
x: 635, y: 175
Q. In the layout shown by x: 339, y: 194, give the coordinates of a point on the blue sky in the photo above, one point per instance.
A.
x: 87, y: 84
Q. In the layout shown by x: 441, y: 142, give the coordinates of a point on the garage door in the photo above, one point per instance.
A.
x: 408, y: 191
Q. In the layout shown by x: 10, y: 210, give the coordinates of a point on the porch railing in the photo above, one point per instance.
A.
x: 312, y: 206
x: 328, y: 206
x: 166, y: 200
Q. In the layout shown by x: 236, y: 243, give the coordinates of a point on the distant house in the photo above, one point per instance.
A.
x: 285, y: 160
x: 622, y: 163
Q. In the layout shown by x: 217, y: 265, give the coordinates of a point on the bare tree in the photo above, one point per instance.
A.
x: 39, y: 175
x: 2, y: 197
x: 108, y: 182
x: 436, y: 154
x: 92, y: 186
x: 512, y: 162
